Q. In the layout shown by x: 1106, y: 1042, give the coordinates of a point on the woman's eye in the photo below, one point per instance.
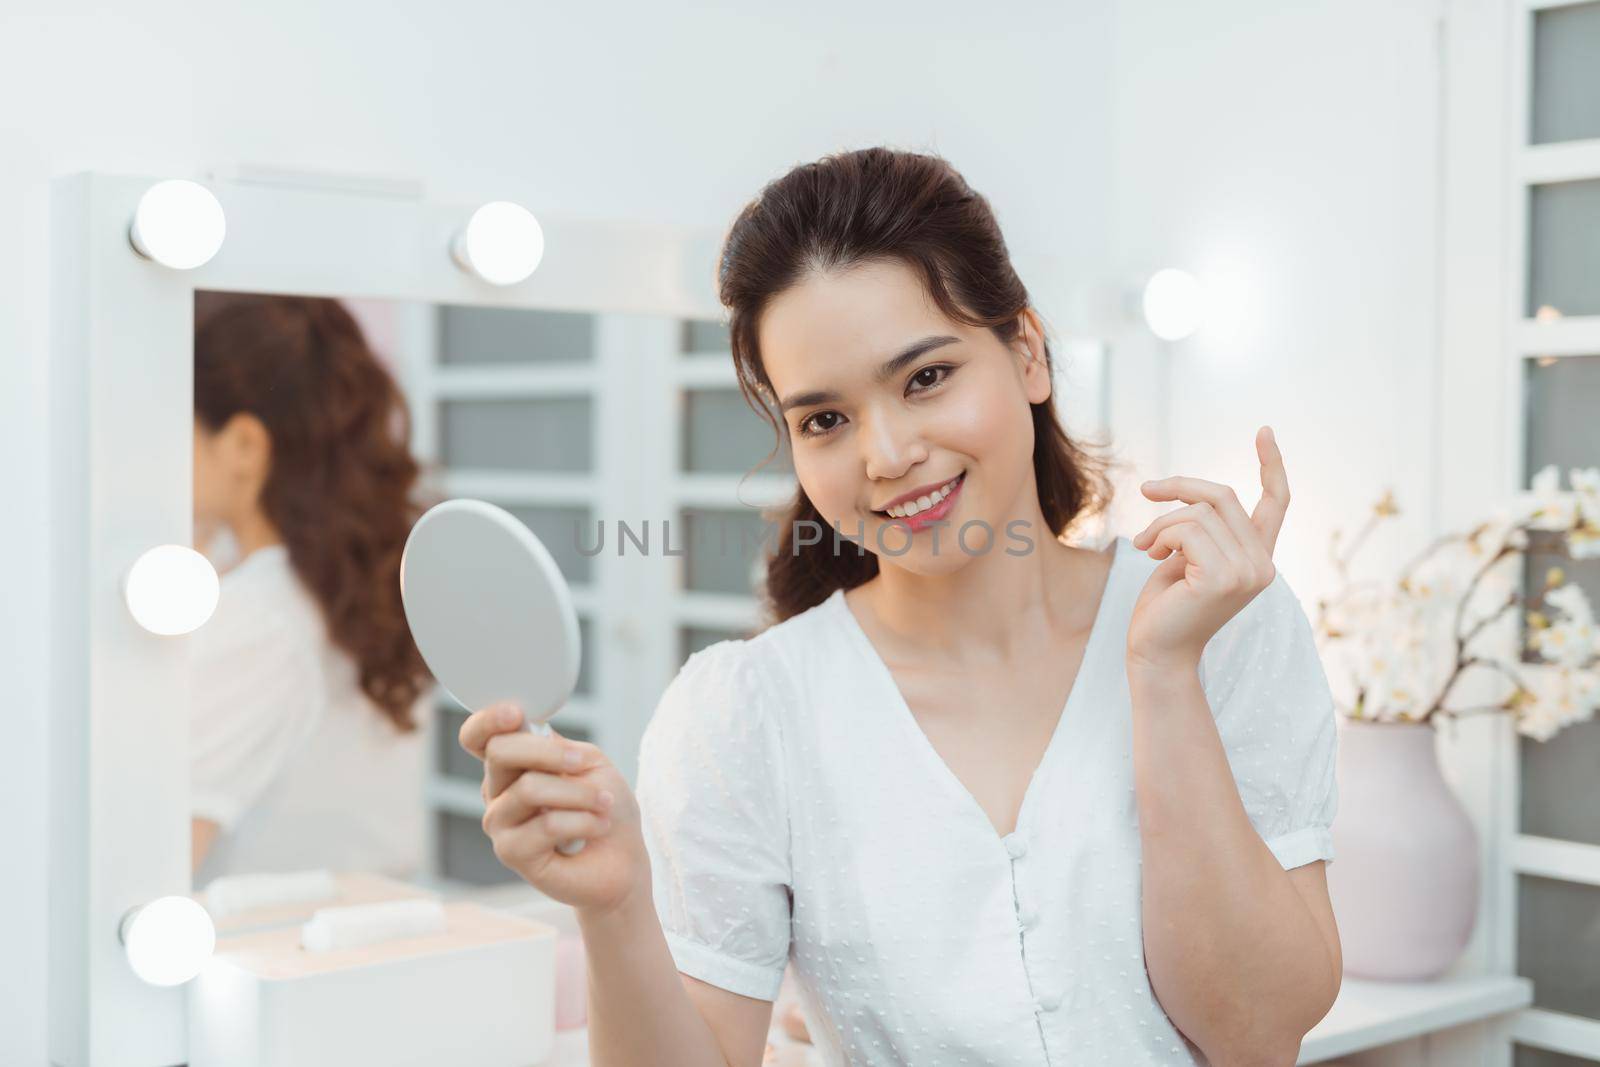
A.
x: 929, y: 378
x: 805, y: 424
x: 937, y: 381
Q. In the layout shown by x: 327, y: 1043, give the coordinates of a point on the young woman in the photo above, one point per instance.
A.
x: 304, y: 744
x: 1038, y: 804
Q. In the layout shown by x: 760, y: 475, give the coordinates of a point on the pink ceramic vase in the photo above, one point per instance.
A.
x: 1404, y: 877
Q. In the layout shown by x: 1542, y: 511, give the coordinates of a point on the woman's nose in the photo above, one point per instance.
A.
x: 891, y: 445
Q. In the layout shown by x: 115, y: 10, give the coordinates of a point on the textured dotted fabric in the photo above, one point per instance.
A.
x: 795, y: 812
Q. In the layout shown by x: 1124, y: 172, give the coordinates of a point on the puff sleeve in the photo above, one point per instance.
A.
x: 711, y: 793
x: 1269, y: 694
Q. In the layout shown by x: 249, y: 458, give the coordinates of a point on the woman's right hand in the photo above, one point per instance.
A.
x: 539, y: 791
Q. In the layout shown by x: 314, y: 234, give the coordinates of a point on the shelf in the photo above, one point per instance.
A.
x: 1562, y: 161
x: 1574, y: 335
x: 1369, y: 1014
x: 502, y: 381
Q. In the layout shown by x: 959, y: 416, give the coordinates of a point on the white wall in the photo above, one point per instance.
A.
x: 1285, y: 153
x: 672, y: 113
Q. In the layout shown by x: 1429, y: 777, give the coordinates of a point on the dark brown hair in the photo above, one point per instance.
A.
x: 339, y: 489
x: 878, y: 204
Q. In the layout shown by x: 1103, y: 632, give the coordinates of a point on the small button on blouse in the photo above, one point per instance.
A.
x: 796, y: 815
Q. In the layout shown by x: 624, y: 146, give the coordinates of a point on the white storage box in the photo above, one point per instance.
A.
x: 481, y: 994
x: 352, y: 888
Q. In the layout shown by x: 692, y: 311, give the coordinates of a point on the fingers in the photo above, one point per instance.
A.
x: 1274, y: 503
x: 1257, y: 532
x: 1222, y: 499
x: 1195, y: 543
x: 541, y: 834
x: 1238, y: 556
x: 488, y: 722
x: 507, y: 756
x: 535, y: 791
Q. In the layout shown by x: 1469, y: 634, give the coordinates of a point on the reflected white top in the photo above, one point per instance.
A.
x: 794, y: 811
x: 287, y: 754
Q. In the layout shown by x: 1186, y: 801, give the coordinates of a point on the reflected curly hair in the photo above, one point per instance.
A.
x: 342, y: 474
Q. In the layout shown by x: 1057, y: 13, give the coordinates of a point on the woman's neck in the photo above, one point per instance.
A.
x: 254, y: 531
x: 991, y: 608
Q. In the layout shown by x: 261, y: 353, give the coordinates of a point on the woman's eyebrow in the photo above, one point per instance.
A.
x: 888, y: 370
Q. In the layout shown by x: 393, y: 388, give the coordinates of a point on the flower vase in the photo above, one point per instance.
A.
x: 1404, y: 879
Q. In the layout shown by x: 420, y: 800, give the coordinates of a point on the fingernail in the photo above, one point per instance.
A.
x: 572, y: 757
x: 605, y: 824
x: 509, y: 714
x: 606, y: 798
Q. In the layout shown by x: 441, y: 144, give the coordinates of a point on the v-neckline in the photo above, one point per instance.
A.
x: 920, y: 740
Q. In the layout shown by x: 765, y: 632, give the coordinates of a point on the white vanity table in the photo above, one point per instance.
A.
x: 1385, y: 1021
x: 1372, y: 1024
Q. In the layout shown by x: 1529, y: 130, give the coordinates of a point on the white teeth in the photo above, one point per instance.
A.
x: 906, y: 510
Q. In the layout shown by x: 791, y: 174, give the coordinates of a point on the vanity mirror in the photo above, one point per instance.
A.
x: 509, y: 390
x: 594, y: 393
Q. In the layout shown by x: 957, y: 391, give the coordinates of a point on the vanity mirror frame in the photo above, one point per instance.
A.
x: 120, y: 470
x: 121, y: 459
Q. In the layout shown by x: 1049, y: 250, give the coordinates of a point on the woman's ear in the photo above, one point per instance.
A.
x: 1036, y: 368
x: 246, y: 445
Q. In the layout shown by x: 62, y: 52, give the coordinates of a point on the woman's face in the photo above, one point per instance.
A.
x: 957, y: 408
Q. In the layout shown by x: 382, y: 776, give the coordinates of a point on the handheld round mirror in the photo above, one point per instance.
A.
x: 490, y: 612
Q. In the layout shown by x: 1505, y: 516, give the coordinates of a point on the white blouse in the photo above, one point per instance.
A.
x: 794, y: 811
x: 287, y: 754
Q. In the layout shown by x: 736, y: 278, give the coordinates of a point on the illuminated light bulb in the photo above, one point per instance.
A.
x: 179, y: 224
x: 1174, y: 304
x: 168, y: 940
x: 171, y: 590
x: 502, y: 243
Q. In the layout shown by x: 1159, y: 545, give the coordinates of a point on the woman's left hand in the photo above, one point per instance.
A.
x: 1217, y: 559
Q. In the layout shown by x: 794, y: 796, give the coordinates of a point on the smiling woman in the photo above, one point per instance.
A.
x: 1011, y: 806
x: 894, y: 254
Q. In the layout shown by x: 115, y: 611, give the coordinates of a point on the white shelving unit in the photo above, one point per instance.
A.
x: 1374, y: 1015
x: 1552, y: 159
x: 1507, y: 63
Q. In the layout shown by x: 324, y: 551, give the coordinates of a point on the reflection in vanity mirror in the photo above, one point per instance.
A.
x: 322, y: 429
x: 310, y: 699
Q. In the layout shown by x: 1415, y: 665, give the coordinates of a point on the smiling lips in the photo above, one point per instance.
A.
x: 930, y: 507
